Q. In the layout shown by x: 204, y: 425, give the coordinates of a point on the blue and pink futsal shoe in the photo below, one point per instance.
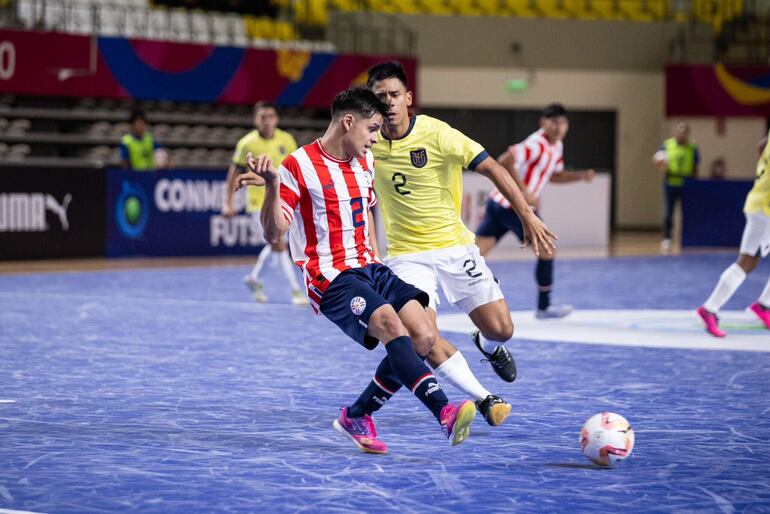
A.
x: 361, y: 431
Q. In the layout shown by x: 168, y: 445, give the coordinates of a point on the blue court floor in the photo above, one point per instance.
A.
x: 170, y: 391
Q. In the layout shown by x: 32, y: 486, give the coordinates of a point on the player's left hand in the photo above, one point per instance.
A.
x: 537, y: 233
x: 261, y: 171
x: 588, y: 175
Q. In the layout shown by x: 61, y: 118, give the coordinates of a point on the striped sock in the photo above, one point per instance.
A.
x: 382, y: 387
x: 411, y: 370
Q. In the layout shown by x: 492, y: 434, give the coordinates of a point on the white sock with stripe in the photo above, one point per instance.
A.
x: 729, y: 282
x: 456, y: 371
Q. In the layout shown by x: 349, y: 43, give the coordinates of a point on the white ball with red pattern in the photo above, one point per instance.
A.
x: 606, y: 439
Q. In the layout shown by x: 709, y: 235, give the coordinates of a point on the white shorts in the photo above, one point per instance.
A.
x: 464, y: 277
x: 756, y: 235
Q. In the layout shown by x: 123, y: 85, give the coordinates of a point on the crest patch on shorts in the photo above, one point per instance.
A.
x: 357, y: 305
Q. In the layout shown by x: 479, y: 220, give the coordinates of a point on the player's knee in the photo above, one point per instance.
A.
x: 386, y: 325
x: 501, y: 330
x: 425, y: 340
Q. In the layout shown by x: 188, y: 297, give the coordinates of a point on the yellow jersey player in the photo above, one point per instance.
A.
x: 269, y: 140
x: 755, y: 244
x: 418, y: 181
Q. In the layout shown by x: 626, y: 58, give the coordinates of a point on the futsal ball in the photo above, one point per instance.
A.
x: 606, y: 439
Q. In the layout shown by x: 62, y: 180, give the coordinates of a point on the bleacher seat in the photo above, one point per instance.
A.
x: 18, y: 152
x: 18, y: 127
x: 100, y: 129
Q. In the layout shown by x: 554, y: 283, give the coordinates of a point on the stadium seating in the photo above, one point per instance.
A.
x: 87, y: 131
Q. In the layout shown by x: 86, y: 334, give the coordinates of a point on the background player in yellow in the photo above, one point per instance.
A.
x: 755, y: 244
x: 265, y: 139
x: 418, y: 181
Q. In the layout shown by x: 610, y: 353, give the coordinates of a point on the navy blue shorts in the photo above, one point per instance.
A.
x: 356, y: 293
x: 498, y: 220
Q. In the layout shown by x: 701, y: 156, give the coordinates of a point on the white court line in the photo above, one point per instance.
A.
x: 13, y: 511
x: 645, y: 328
x: 7, y: 401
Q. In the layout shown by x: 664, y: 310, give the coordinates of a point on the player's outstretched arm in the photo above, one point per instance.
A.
x: 261, y: 170
x: 573, y: 176
x: 509, y: 163
x: 535, y: 231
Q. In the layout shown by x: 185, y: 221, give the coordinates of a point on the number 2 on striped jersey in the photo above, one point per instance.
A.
x: 357, y: 207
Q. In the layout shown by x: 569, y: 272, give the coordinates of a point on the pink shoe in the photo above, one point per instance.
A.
x: 456, y: 419
x: 711, y: 321
x: 361, y: 431
x: 762, y: 313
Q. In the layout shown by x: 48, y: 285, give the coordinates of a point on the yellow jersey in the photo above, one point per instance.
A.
x: 277, y: 148
x: 419, y: 185
x: 758, y: 199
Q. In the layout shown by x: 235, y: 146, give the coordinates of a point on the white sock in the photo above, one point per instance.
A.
x: 455, y: 370
x: 729, y: 282
x: 263, y: 255
x: 288, y: 269
x: 488, y: 345
x: 764, y: 298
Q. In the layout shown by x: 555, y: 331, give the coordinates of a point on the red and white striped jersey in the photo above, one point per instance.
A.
x: 327, y: 202
x: 535, y: 160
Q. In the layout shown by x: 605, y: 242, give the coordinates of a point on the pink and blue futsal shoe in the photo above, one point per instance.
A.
x: 361, y: 431
x: 456, y: 419
x: 762, y: 313
x: 711, y: 321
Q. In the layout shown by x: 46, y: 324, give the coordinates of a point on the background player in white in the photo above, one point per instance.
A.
x: 755, y: 244
x: 419, y: 186
x: 322, y: 194
x: 268, y: 139
x: 532, y: 164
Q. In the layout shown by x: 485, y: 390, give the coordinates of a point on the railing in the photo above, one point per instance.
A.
x: 142, y: 21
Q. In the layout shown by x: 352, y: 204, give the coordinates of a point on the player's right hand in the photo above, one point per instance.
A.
x: 228, y: 211
x: 537, y: 233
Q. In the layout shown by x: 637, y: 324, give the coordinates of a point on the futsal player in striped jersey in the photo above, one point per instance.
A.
x: 755, y: 244
x: 322, y: 195
x: 533, y: 163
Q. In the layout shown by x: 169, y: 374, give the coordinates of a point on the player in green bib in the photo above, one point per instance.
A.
x: 678, y: 157
x: 138, y: 148
x: 265, y: 139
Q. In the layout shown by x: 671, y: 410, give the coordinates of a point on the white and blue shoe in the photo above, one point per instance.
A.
x: 554, y: 312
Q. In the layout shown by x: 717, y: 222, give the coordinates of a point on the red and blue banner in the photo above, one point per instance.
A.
x: 55, y: 64
x: 717, y: 90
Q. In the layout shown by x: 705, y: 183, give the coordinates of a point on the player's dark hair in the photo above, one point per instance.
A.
x: 136, y: 114
x: 359, y: 100
x: 554, y: 111
x: 386, y: 70
x: 265, y: 105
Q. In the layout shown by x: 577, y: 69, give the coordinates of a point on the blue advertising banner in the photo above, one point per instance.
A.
x: 175, y: 213
x: 712, y: 212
